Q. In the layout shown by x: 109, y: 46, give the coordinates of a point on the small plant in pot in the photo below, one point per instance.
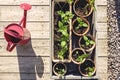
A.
x: 78, y: 56
x: 59, y: 69
x: 87, y: 42
x: 80, y: 26
x: 83, y: 8
x: 87, y: 68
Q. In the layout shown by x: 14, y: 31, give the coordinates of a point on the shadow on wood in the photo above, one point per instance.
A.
x: 29, y: 66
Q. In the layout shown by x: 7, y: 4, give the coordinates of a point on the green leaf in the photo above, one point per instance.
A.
x: 77, y: 52
x: 60, y: 24
x: 79, y: 59
x: 70, y: 1
x: 87, y: 43
x: 94, y: 8
x: 79, y: 20
x: 89, y: 71
x: 63, y: 15
x: 67, y: 12
x: 82, y: 57
x: 89, y: 74
x: 60, y: 55
x: 76, y: 28
x: 92, y: 2
x: 92, y: 42
x: 60, y: 12
x: 63, y: 43
x: 85, y: 38
x: 71, y: 16
x: 65, y: 33
x: 85, y: 25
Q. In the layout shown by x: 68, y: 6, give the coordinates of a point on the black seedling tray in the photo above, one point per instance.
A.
x: 72, y: 69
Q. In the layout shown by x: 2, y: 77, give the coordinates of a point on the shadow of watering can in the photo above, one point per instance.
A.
x: 17, y: 33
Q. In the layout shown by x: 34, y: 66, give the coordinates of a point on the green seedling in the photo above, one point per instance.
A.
x: 70, y: 1
x: 89, y: 4
x: 80, y: 58
x: 65, y: 16
x: 63, y: 29
x: 88, y: 41
x: 89, y: 70
x: 61, y: 72
x: 81, y: 23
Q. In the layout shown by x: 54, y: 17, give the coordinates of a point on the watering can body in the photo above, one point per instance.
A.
x: 15, y: 34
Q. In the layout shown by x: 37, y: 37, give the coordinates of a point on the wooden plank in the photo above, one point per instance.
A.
x: 101, y: 2
x: 102, y: 47
x: 14, y: 76
x: 35, y: 48
x: 102, y: 68
x: 37, y: 29
x: 102, y: 65
x: 15, y: 13
x: 101, y: 27
x: 101, y: 13
x: 24, y: 64
x: 103, y: 76
x: 102, y: 35
x: 102, y: 42
x: 18, y: 2
x: 102, y: 50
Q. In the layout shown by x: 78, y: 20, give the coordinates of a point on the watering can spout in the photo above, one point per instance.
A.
x: 25, y: 7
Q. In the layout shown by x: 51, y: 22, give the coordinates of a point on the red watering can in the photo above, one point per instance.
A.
x: 17, y: 33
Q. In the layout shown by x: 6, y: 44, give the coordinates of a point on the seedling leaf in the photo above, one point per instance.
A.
x: 85, y: 38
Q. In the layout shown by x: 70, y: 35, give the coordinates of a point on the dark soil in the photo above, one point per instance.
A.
x: 85, y: 65
x: 59, y: 66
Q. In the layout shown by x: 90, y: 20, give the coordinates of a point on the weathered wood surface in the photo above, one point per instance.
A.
x: 101, y: 2
x: 26, y: 65
x: 101, y: 13
x: 17, y: 76
x: 18, y: 2
x: 102, y: 35
x: 40, y: 47
x: 101, y: 27
x: 102, y: 68
x: 37, y: 29
x: 102, y: 48
x: 15, y: 13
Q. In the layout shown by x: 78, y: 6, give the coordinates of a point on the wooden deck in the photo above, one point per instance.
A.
x: 32, y: 61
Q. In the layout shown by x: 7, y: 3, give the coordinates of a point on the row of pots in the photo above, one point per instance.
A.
x: 60, y: 69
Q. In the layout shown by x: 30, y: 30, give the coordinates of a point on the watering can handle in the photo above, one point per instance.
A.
x: 10, y: 46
